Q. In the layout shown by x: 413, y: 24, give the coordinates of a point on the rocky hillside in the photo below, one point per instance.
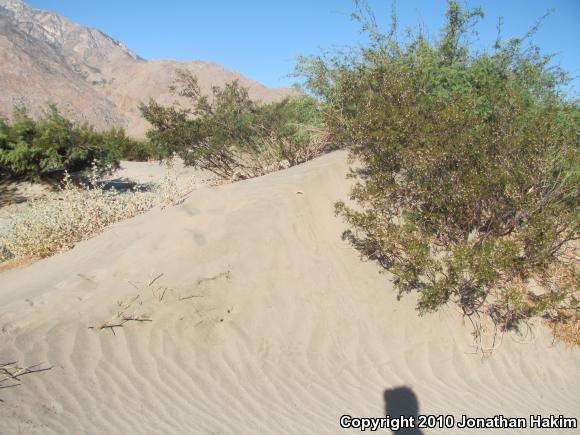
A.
x: 89, y: 75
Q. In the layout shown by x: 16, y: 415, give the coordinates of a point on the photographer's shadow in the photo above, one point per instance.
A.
x: 402, y: 402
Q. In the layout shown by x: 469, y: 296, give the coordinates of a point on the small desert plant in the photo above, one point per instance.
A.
x: 60, y: 220
x: 467, y: 168
x: 231, y: 135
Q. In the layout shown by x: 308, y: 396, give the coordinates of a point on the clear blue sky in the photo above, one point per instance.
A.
x: 261, y: 38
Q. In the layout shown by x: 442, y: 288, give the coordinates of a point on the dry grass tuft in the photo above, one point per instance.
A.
x: 567, y: 332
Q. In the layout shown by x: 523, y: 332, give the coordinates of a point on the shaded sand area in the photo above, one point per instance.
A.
x: 262, y: 320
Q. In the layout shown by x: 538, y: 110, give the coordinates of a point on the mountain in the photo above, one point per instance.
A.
x: 90, y: 76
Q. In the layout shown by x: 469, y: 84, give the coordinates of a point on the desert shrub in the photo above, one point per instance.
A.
x: 33, y: 148
x: 128, y: 148
x: 60, y: 220
x: 467, y: 168
x: 232, y: 136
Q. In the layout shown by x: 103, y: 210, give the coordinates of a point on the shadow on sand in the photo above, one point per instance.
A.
x: 402, y: 402
x: 9, y: 194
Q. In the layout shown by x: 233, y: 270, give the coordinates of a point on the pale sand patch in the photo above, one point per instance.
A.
x: 151, y: 172
x: 269, y: 324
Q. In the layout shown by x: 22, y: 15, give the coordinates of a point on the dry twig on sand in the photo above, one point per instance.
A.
x: 154, y: 279
x: 119, y: 320
x: 11, y: 372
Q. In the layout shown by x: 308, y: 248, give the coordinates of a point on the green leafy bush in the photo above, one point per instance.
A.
x: 231, y: 135
x: 468, y: 169
x: 128, y: 148
x: 34, y: 148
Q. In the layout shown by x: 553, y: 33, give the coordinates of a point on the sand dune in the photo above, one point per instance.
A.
x: 269, y: 324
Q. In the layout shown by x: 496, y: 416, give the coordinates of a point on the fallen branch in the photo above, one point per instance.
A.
x: 13, y: 372
x: 120, y: 322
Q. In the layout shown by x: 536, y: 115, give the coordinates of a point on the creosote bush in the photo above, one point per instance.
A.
x: 231, y: 135
x: 62, y: 219
x: 467, y: 169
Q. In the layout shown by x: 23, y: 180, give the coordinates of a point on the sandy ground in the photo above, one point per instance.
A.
x: 151, y: 172
x: 263, y: 321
